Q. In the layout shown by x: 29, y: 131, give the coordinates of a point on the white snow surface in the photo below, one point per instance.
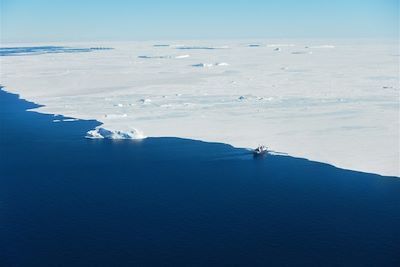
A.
x: 338, y: 105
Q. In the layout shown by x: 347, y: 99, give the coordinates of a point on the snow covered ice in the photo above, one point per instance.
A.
x: 100, y: 133
x: 335, y: 102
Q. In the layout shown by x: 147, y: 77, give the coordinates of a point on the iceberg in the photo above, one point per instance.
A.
x: 102, y: 133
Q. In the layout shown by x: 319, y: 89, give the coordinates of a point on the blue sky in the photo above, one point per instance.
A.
x: 75, y: 20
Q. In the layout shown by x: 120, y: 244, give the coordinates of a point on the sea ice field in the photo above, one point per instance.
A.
x: 333, y: 101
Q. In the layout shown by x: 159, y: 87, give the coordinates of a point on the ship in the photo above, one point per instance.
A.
x: 260, y: 150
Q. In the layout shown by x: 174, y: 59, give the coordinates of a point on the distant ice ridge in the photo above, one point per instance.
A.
x: 149, y: 57
x: 163, y: 57
x: 278, y: 45
x: 145, y: 100
x: 182, y: 56
x: 102, y: 133
x: 301, y: 52
x: 209, y: 65
x: 321, y: 46
x: 201, y: 47
x: 161, y: 45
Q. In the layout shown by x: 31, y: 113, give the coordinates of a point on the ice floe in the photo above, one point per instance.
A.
x: 65, y: 120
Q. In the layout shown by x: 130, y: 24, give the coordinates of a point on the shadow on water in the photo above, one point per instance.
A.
x: 70, y: 201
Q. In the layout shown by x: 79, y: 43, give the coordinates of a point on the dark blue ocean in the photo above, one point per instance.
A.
x: 69, y: 201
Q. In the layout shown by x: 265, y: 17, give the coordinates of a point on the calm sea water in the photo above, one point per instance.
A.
x: 69, y: 201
